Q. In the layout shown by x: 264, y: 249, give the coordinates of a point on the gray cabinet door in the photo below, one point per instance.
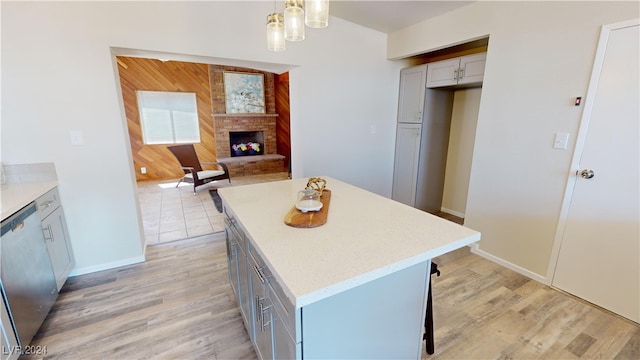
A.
x: 57, y: 240
x: 405, y: 171
x: 411, y: 98
x: 472, y: 69
x: 262, y: 314
x: 284, y: 347
x: 245, y: 302
x: 232, y: 261
x: 443, y: 73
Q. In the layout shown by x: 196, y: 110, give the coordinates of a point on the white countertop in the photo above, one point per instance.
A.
x: 14, y: 197
x: 366, y: 236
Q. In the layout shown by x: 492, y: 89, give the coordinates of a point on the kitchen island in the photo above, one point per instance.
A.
x: 354, y: 287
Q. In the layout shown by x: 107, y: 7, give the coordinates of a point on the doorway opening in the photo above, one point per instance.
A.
x: 168, y: 218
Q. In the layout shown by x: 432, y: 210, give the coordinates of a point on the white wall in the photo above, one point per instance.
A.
x: 539, y: 59
x: 464, y: 117
x: 59, y: 74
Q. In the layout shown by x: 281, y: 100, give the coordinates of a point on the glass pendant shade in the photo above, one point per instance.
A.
x: 316, y: 13
x: 275, y: 32
x: 293, y: 20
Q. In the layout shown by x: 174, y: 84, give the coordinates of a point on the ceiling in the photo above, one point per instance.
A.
x: 382, y: 15
x: 389, y: 16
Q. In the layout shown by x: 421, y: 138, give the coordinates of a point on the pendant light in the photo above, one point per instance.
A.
x: 293, y: 20
x: 316, y: 13
x: 275, y: 32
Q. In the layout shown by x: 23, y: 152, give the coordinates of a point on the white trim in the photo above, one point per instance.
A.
x: 475, y: 248
x: 580, y: 140
x: 452, y: 212
x: 106, y: 266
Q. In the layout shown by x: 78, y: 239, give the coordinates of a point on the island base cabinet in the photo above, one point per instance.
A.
x: 262, y: 316
x: 284, y: 346
x: 237, y: 267
x: 272, y: 321
x: 382, y: 319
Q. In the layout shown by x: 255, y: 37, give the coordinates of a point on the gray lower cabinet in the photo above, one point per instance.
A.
x: 262, y: 319
x: 56, y: 235
x: 283, y: 325
x: 378, y: 319
x: 238, y: 277
x: 267, y: 319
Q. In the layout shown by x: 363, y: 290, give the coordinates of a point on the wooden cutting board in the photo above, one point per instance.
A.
x: 297, y: 218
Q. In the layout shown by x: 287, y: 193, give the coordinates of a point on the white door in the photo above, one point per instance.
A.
x: 599, y: 252
x: 405, y: 170
x: 411, y: 98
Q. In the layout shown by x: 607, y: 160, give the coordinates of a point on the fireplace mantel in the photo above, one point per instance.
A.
x: 244, y: 115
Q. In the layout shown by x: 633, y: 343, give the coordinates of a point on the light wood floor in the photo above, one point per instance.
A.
x: 179, y: 305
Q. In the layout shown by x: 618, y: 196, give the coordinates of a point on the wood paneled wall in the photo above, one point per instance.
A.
x: 155, y: 75
x: 283, y: 136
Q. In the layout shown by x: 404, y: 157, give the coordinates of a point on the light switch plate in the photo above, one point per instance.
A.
x: 561, y: 141
x: 76, y: 137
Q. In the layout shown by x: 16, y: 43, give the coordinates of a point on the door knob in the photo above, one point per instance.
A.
x: 587, y: 174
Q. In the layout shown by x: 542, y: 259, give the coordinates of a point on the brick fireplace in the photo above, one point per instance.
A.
x: 225, y: 123
x: 270, y: 161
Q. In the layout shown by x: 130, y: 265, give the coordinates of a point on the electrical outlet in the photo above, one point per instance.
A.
x: 143, y: 170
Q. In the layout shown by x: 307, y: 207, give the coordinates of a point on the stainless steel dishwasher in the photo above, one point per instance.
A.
x: 27, y: 283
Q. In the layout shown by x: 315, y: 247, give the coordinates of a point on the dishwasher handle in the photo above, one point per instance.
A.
x: 15, y: 222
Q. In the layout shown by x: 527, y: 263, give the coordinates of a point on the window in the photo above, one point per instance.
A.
x: 168, y: 117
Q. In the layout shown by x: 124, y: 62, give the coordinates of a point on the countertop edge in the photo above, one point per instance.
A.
x: 16, y: 196
x: 321, y: 294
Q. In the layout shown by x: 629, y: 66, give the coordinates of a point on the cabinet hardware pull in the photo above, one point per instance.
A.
x: 48, y: 229
x: 258, y: 272
x: 460, y: 74
x: 262, y: 323
x: 18, y: 226
x: 229, y: 221
x: 263, y: 309
x: 258, y: 312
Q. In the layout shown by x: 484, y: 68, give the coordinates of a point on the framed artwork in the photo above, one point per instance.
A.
x: 244, y: 93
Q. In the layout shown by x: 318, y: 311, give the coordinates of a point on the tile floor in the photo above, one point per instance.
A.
x: 171, y: 213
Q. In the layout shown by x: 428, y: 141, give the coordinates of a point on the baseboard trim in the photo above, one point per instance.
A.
x: 475, y: 248
x: 452, y: 212
x: 106, y: 266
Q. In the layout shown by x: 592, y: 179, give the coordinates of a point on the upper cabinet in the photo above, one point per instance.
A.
x: 412, y: 89
x: 465, y: 70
